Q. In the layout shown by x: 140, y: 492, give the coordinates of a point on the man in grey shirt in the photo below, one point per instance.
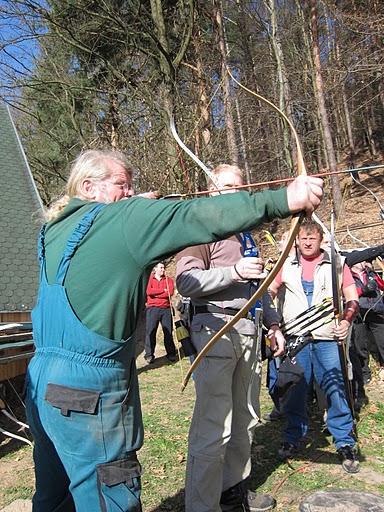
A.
x: 218, y: 277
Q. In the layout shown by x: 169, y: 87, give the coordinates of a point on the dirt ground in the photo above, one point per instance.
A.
x: 16, y: 464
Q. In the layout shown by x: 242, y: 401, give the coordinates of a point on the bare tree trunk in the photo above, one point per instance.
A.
x: 203, y: 96
x: 168, y: 67
x: 285, y: 97
x: 240, y: 126
x: 115, y: 120
x: 228, y: 109
x: 346, y: 111
x: 336, y: 192
x: 168, y: 79
x: 320, y: 154
x: 369, y: 122
x: 242, y: 143
x: 250, y: 69
x: 203, y: 101
x: 351, y: 142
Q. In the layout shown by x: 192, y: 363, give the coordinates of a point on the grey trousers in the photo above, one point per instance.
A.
x: 226, y: 412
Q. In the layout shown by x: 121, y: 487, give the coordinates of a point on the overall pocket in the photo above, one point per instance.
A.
x: 73, y: 420
x: 119, y: 482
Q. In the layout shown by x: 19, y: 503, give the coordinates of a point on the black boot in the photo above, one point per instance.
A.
x: 238, y: 499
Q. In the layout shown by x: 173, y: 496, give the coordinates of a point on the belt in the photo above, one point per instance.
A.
x: 216, y: 309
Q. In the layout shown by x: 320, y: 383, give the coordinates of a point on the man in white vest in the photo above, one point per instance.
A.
x: 307, y: 280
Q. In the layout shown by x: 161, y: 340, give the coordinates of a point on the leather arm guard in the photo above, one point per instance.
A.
x: 350, y: 311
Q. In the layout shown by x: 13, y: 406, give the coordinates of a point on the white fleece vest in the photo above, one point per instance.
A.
x: 295, y: 300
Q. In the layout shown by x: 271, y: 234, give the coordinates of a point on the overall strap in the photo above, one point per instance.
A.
x: 308, y: 288
x: 74, y: 240
x: 248, y: 243
x: 250, y: 249
x: 41, y: 253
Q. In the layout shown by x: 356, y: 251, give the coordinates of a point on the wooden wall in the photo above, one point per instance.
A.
x: 15, y: 316
x: 15, y: 350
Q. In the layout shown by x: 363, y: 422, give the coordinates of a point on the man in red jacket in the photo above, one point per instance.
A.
x: 159, y: 292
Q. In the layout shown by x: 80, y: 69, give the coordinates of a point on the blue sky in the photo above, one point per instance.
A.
x: 18, y: 46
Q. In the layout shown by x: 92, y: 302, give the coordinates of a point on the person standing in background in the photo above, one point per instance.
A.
x: 159, y: 292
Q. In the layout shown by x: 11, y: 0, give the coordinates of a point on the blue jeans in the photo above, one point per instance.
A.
x: 323, y: 357
x: 273, y: 366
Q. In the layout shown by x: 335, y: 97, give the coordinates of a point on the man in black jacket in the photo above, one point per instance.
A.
x: 370, y: 320
x: 363, y: 255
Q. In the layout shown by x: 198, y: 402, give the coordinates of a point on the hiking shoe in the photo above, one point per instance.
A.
x: 149, y: 359
x: 258, y: 502
x: 274, y: 415
x: 237, y: 499
x: 347, y: 457
x: 287, y: 451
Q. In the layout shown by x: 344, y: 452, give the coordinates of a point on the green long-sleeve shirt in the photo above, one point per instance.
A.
x: 108, y: 274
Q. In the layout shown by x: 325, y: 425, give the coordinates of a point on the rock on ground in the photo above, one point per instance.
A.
x: 341, y: 500
x: 18, y: 506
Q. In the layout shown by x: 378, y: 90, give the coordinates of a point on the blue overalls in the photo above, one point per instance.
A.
x: 83, y: 404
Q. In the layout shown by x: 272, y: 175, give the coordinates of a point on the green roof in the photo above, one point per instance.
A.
x: 20, y: 220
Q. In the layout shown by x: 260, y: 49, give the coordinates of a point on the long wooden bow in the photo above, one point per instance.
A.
x: 294, y: 229
x: 342, y: 344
